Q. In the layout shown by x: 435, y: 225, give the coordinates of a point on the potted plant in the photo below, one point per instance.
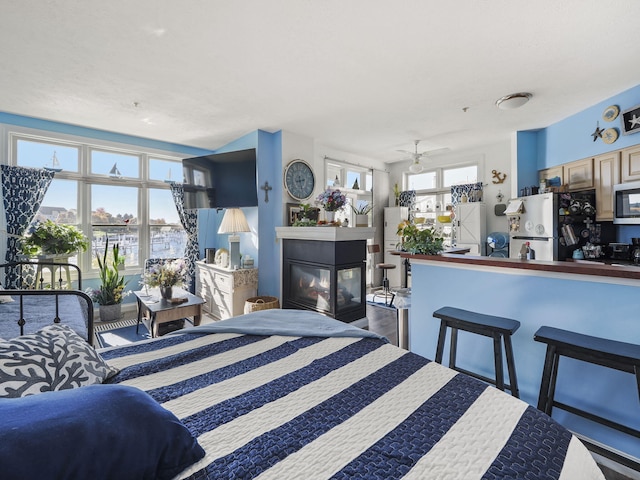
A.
x: 53, y: 239
x: 361, y: 211
x: 111, y: 291
x: 419, y: 240
x: 331, y: 200
x: 166, y: 276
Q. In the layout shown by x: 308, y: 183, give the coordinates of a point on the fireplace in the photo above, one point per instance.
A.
x: 325, y: 271
x: 327, y: 277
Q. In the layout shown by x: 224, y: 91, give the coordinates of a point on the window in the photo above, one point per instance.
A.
x: 433, y: 193
x: 108, y: 192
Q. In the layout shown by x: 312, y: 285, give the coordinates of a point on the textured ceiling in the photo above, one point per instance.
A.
x: 363, y: 76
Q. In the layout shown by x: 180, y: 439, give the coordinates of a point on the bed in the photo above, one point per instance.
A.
x: 28, y: 309
x: 294, y: 394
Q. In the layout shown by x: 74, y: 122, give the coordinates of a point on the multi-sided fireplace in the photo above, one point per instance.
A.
x: 325, y: 275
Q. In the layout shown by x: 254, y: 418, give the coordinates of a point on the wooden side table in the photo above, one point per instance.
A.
x: 162, y: 311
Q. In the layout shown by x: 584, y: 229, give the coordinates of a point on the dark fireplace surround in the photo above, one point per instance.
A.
x: 325, y: 276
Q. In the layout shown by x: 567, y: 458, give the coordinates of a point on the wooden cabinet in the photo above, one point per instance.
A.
x: 225, y: 290
x: 552, y: 172
x: 606, y: 173
x: 630, y: 164
x: 579, y: 174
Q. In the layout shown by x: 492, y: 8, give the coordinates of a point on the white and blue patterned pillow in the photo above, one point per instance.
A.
x: 53, y: 358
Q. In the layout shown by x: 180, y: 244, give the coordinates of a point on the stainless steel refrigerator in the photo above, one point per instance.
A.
x: 554, y: 224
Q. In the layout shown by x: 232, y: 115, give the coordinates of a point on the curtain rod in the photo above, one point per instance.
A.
x: 355, y: 164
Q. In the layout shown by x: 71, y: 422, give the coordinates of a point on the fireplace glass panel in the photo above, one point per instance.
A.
x: 349, y: 288
x: 311, y: 286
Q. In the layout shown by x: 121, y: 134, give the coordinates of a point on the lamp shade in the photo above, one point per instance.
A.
x: 233, y: 221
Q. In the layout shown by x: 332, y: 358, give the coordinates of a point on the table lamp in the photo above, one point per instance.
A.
x: 234, y: 222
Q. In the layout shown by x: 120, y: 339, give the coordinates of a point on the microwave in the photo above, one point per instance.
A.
x: 626, y: 203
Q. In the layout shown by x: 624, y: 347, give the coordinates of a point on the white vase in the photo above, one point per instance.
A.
x: 330, y: 216
x: 362, y: 220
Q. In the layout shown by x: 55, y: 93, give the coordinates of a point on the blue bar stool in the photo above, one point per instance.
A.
x: 498, y: 328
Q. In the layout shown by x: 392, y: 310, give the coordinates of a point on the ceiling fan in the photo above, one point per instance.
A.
x: 416, y: 166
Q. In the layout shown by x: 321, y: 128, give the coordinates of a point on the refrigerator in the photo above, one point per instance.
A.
x: 554, y: 224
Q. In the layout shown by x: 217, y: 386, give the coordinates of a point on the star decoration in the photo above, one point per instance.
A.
x: 598, y: 133
x: 634, y: 122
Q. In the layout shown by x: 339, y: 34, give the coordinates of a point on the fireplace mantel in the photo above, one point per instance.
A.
x: 327, y: 234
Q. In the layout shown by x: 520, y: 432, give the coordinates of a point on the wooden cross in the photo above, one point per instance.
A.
x: 266, y: 189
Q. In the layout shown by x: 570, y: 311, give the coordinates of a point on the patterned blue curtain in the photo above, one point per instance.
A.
x: 473, y: 191
x: 22, y: 190
x: 189, y: 220
x: 408, y: 199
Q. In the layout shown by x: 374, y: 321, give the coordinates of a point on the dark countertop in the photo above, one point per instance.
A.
x: 575, y: 267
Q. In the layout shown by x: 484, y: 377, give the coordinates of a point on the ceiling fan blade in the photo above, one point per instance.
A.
x: 429, y: 153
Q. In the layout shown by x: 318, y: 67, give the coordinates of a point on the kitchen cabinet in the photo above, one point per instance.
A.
x: 630, y: 164
x: 552, y: 172
x: 392, y: 217
x: 606, y: 173
x: 470, y: 227
x: 579, y: 174
x: 225, y: 290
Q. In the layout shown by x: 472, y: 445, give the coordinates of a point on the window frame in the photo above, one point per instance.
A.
x: 85, y: 179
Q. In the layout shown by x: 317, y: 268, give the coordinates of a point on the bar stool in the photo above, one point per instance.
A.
x: 386, y: 291
x: 498, y: 328
x: 599, y: 351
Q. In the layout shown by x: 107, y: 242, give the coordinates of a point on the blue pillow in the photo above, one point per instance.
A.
x: 96, y: 432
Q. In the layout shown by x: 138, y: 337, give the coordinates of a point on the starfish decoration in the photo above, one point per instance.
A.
x: 598, y: 132
x: 634, y: 122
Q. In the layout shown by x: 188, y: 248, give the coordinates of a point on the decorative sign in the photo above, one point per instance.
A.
x: 631, y: 120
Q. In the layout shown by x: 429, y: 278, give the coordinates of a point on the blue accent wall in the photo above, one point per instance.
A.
x: 67, y: 129
x: 534, y: 299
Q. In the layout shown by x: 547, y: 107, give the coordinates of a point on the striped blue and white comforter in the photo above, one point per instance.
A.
x: 284, y: 407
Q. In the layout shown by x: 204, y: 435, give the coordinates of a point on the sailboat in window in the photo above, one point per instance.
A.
x: 55, y: 164
x: 114, y: 172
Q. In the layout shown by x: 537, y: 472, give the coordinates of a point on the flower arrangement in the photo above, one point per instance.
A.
x: 424, y: 241
x: 111, y: 291
x: 331, y: 200
x: 49, y: 237
x: 168, y: 274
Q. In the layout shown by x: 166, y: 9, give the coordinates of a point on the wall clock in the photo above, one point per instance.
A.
x: 299, y: 180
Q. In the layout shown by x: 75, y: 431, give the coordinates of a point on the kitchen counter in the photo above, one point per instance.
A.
x: 609, y: 272
x: 592, y: 298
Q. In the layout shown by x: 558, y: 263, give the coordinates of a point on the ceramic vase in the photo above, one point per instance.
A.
x: 166, y: 292
x: 109, y: 313
x: 330, y: 216
x: 362, y: 220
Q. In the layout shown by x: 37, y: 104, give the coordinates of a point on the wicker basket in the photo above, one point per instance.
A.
x: 255, y: 304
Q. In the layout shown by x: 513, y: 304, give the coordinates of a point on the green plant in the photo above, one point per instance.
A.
x: 111, y: 291
x: 49, y: 237
x: 362, y: 208
x: 423, y: 241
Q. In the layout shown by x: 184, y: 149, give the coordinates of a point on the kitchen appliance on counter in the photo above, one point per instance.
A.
x: 626, y: 203
x: 554, y: 224
x: 619, y: 251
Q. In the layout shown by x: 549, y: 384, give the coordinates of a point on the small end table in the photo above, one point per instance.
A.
x: 162, y: 311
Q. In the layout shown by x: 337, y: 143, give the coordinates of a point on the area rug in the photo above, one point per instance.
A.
x: 119, y: 333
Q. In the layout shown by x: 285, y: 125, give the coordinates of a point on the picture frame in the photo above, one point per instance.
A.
x: 295, y: 213
x: 630, y: 120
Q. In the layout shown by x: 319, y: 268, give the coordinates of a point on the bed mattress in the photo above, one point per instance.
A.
x: 270, y: 405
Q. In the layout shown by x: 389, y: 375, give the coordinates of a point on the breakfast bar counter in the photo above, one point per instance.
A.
x: 583, y: 297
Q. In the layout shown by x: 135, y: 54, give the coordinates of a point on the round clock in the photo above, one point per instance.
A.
x: 299, y: 180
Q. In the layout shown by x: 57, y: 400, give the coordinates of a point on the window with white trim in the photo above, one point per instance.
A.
x: 108, y: 192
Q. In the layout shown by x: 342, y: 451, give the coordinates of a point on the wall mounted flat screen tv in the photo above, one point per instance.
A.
x: 221, y: 180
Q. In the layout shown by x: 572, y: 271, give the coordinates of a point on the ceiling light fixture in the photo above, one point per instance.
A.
x: 515, y: 100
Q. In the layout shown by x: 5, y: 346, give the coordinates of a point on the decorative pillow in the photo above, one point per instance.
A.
x: 54, y: 358
x: 94, y: 432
